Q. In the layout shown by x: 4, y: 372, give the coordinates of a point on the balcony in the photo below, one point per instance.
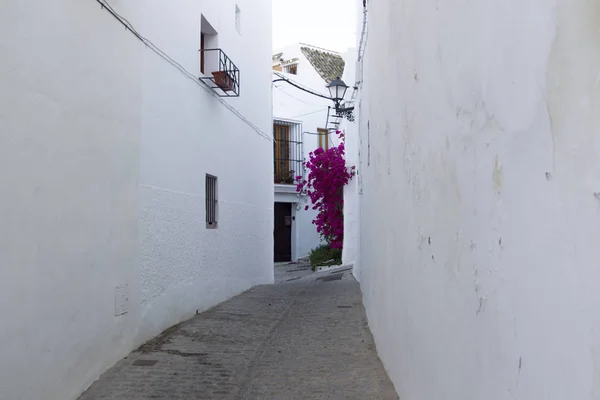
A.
x: 287, y: 153
x: 221, y: 75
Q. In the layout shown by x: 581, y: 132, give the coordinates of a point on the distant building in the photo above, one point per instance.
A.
x: 301, y: 124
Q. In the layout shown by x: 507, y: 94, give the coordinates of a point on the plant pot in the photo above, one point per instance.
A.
x: 223, y: 80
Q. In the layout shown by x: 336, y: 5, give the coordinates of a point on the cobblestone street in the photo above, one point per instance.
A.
x: 304, y: 339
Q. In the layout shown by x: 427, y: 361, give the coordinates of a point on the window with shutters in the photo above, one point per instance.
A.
x: 281, y: 151
x: 323, y: 138
x: 211, y: 201
x: 287, y: 151
x: 291, y: 69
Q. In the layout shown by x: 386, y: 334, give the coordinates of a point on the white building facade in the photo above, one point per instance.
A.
x: 479, y: 196
x: 302, y: 122
x: 134, y: 195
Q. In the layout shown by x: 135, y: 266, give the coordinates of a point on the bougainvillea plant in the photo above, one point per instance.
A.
x: 327, y: 176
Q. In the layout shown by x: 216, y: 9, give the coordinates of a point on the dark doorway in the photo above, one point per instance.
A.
x: 283, y: 232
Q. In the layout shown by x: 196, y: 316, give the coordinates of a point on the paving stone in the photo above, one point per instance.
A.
x: 307, y: 340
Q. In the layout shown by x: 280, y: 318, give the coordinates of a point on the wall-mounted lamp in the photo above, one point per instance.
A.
x: 337, y: 89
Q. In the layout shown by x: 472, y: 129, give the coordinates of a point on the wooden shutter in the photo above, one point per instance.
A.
x: 282, y: 151
x: 323, y: 138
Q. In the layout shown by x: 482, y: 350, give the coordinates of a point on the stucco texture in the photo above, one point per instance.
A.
x: 187, y: 134
x: 104, y: 148
x: 479, y: 208
x: 69, y: 171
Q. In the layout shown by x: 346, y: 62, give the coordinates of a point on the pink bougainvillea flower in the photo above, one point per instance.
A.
x: 324, y: 186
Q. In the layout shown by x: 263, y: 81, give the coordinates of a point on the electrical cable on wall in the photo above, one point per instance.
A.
x: 105, y: 5
x: 312, y: 112
x: 299, y: 86
x: 316, y: 133
x: 362, y: 45
x: 303, y: 88
x: 295, y: 98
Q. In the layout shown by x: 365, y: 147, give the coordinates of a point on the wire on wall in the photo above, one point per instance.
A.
x: 309, y: 113
x: 316, y: 133
x: 299, y: 86
x: 362, y: 45
x: 303, y: 88
x: 105, y: 5
x: 295, y: 98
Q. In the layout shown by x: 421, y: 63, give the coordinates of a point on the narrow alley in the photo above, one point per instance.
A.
x: 306, y: 338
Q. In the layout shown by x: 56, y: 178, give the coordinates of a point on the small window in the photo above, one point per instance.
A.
x: 238, y: 22
x: 211, y: 201
x: 323, y: 138
x: 291, y: 69
x: 202, y: 48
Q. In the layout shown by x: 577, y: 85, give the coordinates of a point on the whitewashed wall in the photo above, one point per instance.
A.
x: 187, y: 133
x: 69, y: 170
x: 311, y: 111
x: 103, y: 152
x: 351, y: 146
x: 480, y: 214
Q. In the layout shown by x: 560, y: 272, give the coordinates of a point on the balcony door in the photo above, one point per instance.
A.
x: 281, y: 154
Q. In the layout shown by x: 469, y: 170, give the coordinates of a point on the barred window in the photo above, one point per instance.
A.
x: 211, y: 201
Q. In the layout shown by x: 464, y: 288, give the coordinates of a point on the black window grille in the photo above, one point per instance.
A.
x: 287, y: 155
x: 225, y: 79
x: 211, y: 201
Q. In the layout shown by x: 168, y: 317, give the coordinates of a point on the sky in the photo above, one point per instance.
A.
x: 330, y: 24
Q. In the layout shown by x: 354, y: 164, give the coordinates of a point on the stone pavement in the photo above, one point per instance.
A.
x: 298, y: 340
x: 287, y: 272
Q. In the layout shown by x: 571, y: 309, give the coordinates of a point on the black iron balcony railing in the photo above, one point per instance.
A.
x: 220, y: 73
x: 288, y: 161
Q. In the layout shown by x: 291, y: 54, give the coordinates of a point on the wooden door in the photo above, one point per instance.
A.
x: 283, y: 232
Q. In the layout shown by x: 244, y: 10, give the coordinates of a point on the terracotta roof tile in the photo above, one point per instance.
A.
x: 328, y: 65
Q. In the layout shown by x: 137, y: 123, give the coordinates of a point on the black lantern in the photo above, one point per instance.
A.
x: 337, y: 90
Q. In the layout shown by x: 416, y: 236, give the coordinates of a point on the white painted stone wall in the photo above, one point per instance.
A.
x: 187, y: 134
x: 69, y: 169
x: 351, y: 146
x: 103, y: 152
x: 479, y: 224
x: 311, y: 111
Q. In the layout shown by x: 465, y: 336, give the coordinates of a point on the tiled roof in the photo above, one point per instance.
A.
x: 328, y: 65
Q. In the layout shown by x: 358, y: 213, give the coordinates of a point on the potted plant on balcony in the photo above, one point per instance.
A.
x: 285, y: 178
x: 223, y: 80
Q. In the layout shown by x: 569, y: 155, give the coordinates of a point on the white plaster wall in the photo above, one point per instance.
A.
x: 295, y: 104
x: 186, y: 134
x: 351, y: 146
x: 69, y: 172
x: 479, y: 215
x: 103, y: 152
